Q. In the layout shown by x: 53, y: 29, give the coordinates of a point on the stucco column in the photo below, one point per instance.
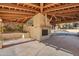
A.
x: 36, y: 29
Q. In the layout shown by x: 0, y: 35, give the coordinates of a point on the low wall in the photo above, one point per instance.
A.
x: 72, y: 30
x: 69, y: 30
x: 7, y: 36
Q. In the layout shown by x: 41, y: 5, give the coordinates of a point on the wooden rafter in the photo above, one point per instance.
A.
x: 14, y: 15
x: 17, y: 7
x: 24, y: 11
x: 26, y: 18
x: 29, y: 4
x: 64, y: 14
x: 48, y: 5
x: 61, y: 7
x: 15, y: 12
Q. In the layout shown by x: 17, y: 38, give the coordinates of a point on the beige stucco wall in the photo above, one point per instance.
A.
x: 38, y: 20
x: 35, y: 32
x: 25, y: 27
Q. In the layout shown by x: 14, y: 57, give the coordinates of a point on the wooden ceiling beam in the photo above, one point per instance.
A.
x: 65, y: 12
x: 26, y: 18
x: 48, y: 5
x: 6, y: 18
x: 17, y: 4
x: 15, y: 12
x: 18, y: 7
x: 30, y: 4
x: 14, y: 15
x: 61, y: 7
x: 65, y: 16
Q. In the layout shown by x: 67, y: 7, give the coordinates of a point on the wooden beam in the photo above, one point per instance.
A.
x: 61, y: 7
x: 17, y: 4
x: 20, y: 20
x: 41, y: 7
x: 30, y: 4
x: 64, y: 12
x: 12, y: 19
x: 55, y: 17
x: 17, y: 7
x: 51, y: 4
x: 15, y: 12
x: 26, y: 18
x: 14, y: 15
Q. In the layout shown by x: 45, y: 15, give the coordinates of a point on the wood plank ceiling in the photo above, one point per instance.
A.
x: 21, y: 12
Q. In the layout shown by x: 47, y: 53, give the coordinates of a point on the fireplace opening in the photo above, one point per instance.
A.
x: 44, y: 32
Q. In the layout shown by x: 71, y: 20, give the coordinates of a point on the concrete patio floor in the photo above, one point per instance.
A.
x: 68, y: 43
x: 33, y: 48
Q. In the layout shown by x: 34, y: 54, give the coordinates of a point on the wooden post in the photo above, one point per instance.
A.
x: 41, y: 7
x: 1, y: 40
x: 53, y: 22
